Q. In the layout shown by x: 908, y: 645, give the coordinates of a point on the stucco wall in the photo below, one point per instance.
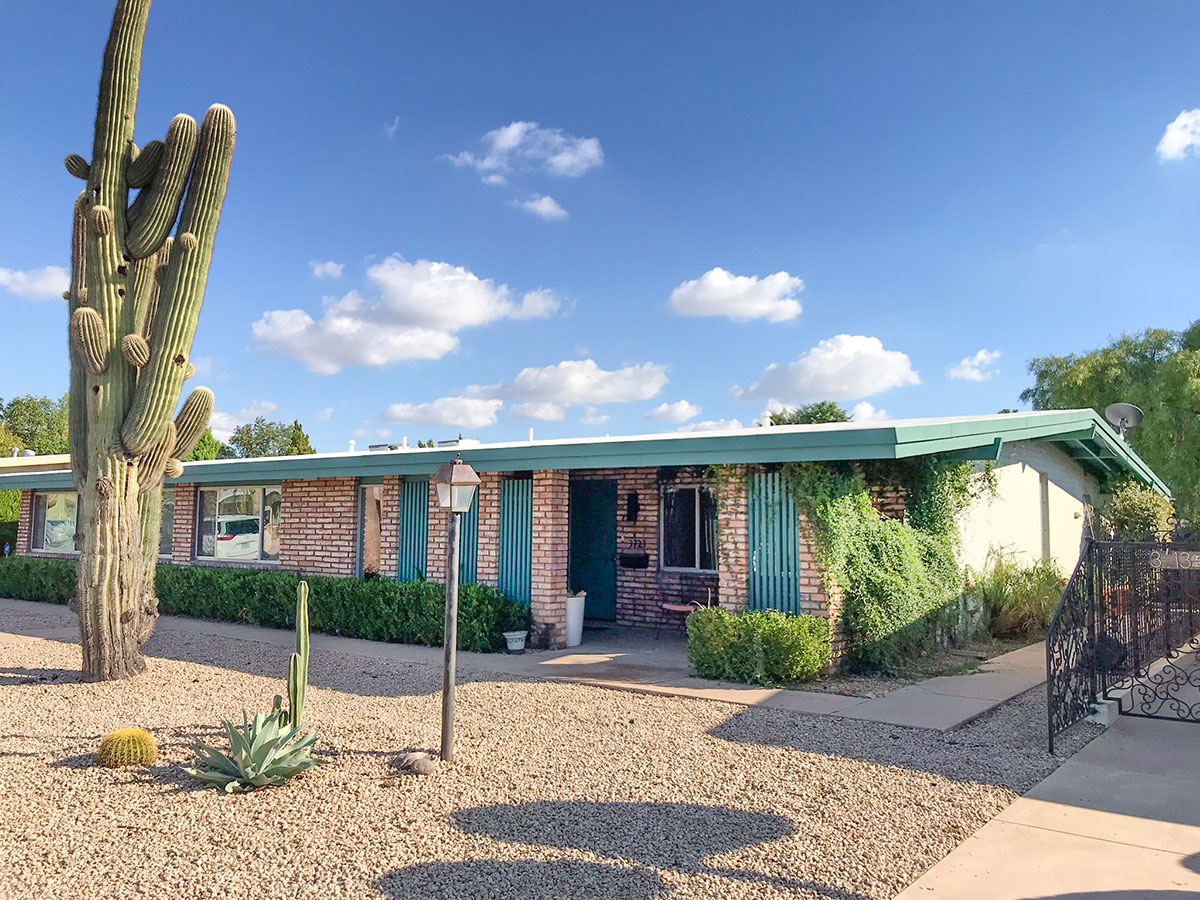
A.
x: 1031, y: 516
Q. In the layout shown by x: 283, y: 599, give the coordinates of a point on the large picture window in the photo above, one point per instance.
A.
x: 238, y: 524
x: 689, y: 528
x: 55, y: 521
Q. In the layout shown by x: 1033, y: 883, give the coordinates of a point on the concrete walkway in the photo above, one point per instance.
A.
x: 636, y: 660
x: 1120, y: 820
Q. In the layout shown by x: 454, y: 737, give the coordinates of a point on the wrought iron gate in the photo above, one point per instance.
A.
x: 1128, y: 629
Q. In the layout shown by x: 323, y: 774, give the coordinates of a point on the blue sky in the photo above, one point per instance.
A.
x: 749, y: 203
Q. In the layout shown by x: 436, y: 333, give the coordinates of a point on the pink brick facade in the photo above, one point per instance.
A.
x: 24, y: 522
x: 389, y: 526
x: 184, y: 524
x: 487, y: 558
x: 551, y: 546
x: 318, y: 526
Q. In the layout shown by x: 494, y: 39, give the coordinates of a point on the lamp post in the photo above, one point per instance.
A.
x: 456, y: 483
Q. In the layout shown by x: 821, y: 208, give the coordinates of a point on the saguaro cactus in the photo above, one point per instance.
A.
x: 135, y: 297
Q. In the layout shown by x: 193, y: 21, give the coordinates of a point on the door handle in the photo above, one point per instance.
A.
x: 754, y: 561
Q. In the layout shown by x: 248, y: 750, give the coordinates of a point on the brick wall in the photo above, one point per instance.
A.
x: 890, y: 500
x: 318, y: 526
x: 436, y: 548
x: 487, y: 559
x: 183, y: 526
x: 551, y: 523
x: 733, y: 539
x: 389, y: 525
x: 24, y: 523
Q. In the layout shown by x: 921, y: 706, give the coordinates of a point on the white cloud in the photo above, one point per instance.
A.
x: 46, y: 283
x: 326, y: 269
x: 975, y: 368
x: 495, y: 180
x: 721, y: 293
x: 458, y: 412
x: 542, y: 411
x: 420, y: 310
x: 844, y: 367
x: 865, y: 412
x: 578, y: 382
x: 325, y: 415
x: 390, y: 130
x: 1182, y: 137
x: 544, y: 207
x: 203, y: 365
x: 223, y: 423
x: 527, y: 147
x: 712, y: 425
x: 592, y: 417
x: 674, y: 413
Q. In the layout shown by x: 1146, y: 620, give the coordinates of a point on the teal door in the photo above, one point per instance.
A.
x: 593, y: 557
x: 516, y: 539
x: 774, y: 545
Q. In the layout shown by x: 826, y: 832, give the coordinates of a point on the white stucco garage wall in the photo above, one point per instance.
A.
x: 1042, y: 508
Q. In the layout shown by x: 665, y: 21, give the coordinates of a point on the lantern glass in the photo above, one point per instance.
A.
x: 463, y: 494
x: 443, y: 494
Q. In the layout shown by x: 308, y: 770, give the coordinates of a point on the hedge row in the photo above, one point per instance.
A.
x: 767, y: 647
x: 410, y: 612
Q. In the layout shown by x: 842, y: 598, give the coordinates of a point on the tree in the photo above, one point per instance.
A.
x: 263, y: 438
x: 810, y: 414
x: 208, y: 447
x: 38, y: 422
x: 1157, y: 370
x: 10, y: 501
x: 134, y: 300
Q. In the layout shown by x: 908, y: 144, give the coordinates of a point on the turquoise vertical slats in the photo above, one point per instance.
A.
x: 516, y: 538
x: 774, y: 545
x: 468, y: 542
x: 414, y: 529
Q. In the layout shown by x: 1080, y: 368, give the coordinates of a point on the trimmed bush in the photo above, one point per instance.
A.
x: 408, y: 612
x: 769, y: 647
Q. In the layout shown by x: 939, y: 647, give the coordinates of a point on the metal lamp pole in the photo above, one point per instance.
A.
x: 450, y: 638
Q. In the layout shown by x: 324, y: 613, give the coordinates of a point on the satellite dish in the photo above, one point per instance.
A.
x: 1122, y: 416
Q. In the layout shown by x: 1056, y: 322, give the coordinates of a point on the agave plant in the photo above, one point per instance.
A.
x: 261, y: 754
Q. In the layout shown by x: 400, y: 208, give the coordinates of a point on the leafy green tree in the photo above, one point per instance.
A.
x: 1157, y: 370
x: 208, y: 447
x: 810, y: 414
x: 38, y: 422
x: 10, y: 501
x: 264, y: 438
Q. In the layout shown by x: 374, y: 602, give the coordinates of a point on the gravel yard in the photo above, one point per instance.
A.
x: 560, y: 790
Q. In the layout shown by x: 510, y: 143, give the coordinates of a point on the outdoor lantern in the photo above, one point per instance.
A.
x: 456, y: 483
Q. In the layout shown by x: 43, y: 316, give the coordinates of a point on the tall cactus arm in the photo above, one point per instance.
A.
x: 187, y: 273
x: 144, y: 165
x: 153, y: 213
x: 192, y: 421
x: 77, y: 296
x: 148, y: 277
x: 78, y: 166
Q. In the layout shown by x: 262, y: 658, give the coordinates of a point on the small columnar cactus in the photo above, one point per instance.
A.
x: 298, y: 666
x: 127, y: 747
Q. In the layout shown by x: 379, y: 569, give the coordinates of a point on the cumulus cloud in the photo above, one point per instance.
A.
x: 845, y: 367
x: 712, y: 425
x: 325, y: 415
x: 540, y: 410
x: 674, y: 413
x: 577, y: 383
x: 865, y: 412
x: 544, y: 207
x: 976, y: 367
x: 528, y: 147
x: 326, y: 269
x: 223, y: 423
x: 46, y: 283
x: 721, y: 293
x: 458, y: 412
x: 1182, y: 137
x: 420, y: 309
x: 592, y: 417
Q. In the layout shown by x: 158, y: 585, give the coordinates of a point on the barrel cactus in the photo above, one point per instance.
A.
x: 127, y: 747
x: 134, y: 299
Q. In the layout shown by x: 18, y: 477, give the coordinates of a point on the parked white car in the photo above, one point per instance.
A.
x: 237, y: 537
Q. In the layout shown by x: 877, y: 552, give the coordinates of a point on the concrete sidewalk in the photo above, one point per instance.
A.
x: 636, y: 660
x: 1120, y: 820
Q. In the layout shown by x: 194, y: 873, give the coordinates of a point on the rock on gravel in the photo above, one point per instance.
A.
x: 557, y: 791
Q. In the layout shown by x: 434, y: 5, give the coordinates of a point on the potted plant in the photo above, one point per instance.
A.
x: 516, y: 640
x: 514, y: 620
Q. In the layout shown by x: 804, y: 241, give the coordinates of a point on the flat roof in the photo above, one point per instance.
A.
x: 1082, y: 433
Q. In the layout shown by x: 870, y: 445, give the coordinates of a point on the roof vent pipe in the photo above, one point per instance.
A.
x: 404, y: 442
x: 350, y: 447
x: 531, y: 434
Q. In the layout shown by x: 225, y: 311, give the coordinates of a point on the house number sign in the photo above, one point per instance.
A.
x: 1175, y: 559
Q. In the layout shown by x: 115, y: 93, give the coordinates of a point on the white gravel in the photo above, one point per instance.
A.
x: 559, y: 790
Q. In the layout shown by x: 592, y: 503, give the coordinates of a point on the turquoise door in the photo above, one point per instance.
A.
x: 414, y: 529
x: 774, y: 545
x: 516, y: 539
x: 593, y: 556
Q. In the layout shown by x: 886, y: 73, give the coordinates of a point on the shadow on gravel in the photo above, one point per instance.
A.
x: 676, y: 837
x: 526, y: 879
x: 15, y: 676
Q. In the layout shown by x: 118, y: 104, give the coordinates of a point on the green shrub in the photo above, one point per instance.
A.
x: 33, y: 578
x: 769, y: 647
x: 408, y: 612
x: 1138, y: 513
x: 1020, y: 599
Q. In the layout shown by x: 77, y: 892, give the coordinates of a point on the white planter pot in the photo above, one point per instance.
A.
x: 575, y: 605
x: 516, y: 641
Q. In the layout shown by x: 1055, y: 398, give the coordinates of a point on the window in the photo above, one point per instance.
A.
x: 238, y: 524
x: 370, y: 505
x: 689, y: 528
x: 55, y: 520
x: 166, y: 529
